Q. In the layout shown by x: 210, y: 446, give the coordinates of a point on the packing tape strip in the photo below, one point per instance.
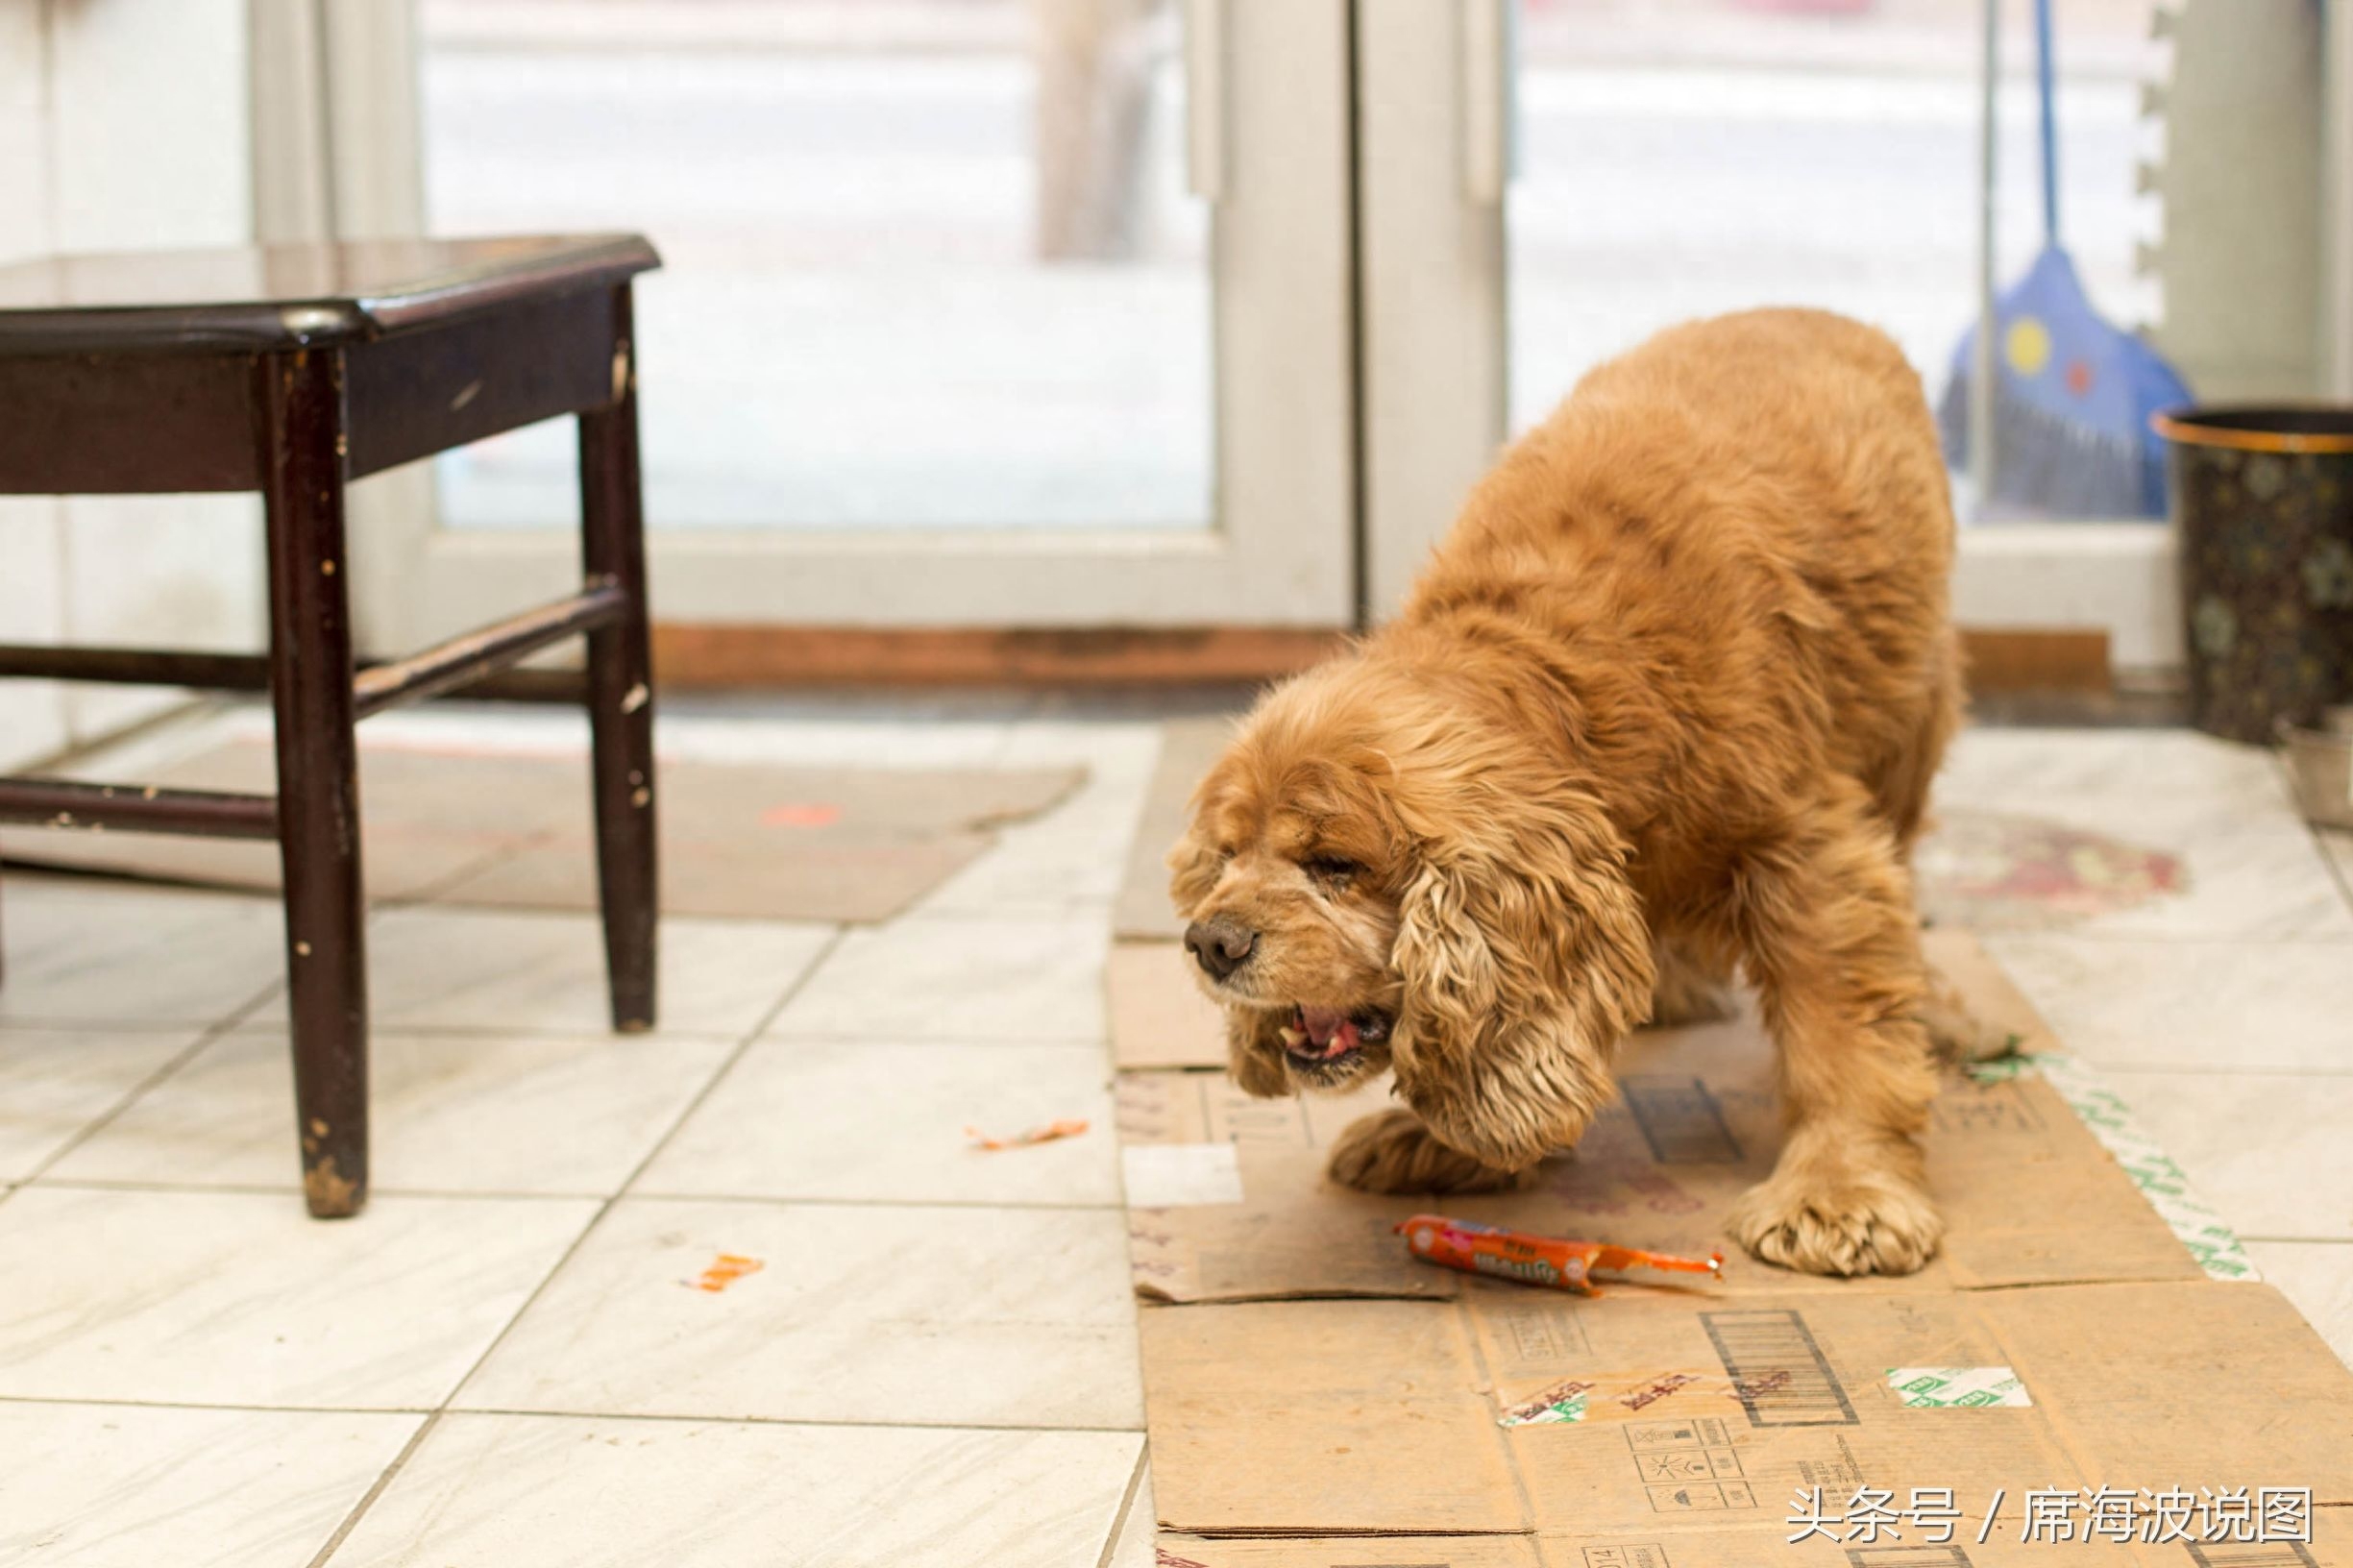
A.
x: 1958, y: 1387
x: 1623, y: 1396
x: 2210, y: 1240
x: 1563, y: 1402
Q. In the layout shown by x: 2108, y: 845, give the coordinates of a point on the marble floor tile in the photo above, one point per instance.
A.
x: 152, y: 747
x: 525, y: 1491
x: 2262, y: 1006
x: 2253, y: 870
x: 237, y: 1298
x: 1072, y: 860
x: 1119, y: 759
x: 2172, y: 783
x: 875, y: 1121
x: 2268, y: 1151
x: 2261, y: 882
x: 1136, y: 1544
x: 1037, y: 978
x: 80, y: 951
x: 571, y: 1114
x: 967, y: 1316
x: 2317, y: 1276
x: 435, y: 968
x: 1074, y: 857
x: 134, y: 1487
x: 54, y: 1083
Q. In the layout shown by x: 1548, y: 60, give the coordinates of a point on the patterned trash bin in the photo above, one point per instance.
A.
x: 2263, y: 508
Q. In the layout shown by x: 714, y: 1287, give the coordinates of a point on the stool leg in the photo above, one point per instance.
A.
x: 318, y: 772
x: 620, y: 690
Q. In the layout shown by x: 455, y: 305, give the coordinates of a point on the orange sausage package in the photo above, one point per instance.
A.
x: 1534, y: 1259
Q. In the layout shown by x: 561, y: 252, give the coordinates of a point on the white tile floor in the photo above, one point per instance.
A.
x: 504, y: 1361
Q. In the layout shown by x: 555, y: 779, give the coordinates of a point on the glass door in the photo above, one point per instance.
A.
x: 1548, y: 181
x: 976, y: 313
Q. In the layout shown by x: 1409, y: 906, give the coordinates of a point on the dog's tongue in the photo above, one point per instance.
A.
x: 1329, y: 1030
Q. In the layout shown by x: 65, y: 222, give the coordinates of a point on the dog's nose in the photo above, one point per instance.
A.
x: 1220, y: 944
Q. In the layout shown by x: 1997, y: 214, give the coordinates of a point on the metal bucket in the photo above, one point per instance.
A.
x: 2263, y: 511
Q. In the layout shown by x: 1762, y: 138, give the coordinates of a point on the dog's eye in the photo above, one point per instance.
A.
x: 1330, y: 868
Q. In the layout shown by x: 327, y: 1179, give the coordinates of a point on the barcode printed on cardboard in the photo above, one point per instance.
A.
x: 1778, y: 1372
x: 2250, y: 1555
x: 1680, y: 1120
x: 1907, y: 1556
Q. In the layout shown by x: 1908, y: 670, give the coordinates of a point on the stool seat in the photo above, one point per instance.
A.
x: 260, y: 298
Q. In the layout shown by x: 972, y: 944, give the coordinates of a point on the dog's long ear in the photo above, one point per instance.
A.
x: 1525, y: 960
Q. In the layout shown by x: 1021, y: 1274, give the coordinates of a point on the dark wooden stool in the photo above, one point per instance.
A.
x: 292, y: 370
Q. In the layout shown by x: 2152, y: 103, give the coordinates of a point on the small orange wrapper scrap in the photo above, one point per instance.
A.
x: 1046, y: 1134
x: 726, y: 1269
x: 1534, y: 1259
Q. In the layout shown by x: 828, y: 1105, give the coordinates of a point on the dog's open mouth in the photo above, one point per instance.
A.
x: 1323, y: 1036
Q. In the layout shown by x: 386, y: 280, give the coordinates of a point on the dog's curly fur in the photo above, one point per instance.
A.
x: 1664, y: 705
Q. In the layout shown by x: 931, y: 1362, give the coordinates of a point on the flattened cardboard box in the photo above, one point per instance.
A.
x: 2029, y: 1195
x: 1752, y: 1547
x: 1164, y: 1021
x: 1706, y: 1412
x: 1305, y: 1378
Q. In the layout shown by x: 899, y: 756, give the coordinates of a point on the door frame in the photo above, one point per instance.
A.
x: 1272, y: 141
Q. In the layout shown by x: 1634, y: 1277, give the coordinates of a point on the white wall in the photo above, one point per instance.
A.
x: 124, y: 125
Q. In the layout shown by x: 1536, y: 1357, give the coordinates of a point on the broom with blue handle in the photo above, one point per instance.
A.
x: 2072, y: 395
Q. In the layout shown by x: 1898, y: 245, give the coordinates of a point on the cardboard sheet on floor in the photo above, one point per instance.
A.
x: 1165, y: 1021
x: 514, y: 830
x: 1306, y: 1381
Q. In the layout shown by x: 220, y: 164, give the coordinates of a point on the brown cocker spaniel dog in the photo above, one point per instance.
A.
x: 1664, y: 705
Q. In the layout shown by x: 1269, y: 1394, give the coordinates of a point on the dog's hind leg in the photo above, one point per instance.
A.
x: 1822, y: 916
x: 1902, y: 791
x: 1957, y: 1036
x: 1899, y: 784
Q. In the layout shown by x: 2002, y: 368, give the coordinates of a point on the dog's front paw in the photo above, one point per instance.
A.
x: 1839, y: 1218
x: 1393, y: 1152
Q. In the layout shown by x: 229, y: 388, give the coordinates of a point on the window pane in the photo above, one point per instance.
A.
x: 1681, y: 158
x: 930, y: 262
